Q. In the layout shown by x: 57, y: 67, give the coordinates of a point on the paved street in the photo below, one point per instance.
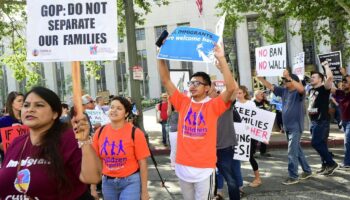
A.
x: 273, y: 171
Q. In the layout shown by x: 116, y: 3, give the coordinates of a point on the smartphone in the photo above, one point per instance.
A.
x: 162, y: 38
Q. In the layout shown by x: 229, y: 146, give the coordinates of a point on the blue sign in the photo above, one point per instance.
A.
x: 189, y: 44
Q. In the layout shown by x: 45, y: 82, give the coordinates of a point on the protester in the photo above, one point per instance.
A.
x: 260, y: 102
x: 293, y: 96
x: 226, y: 140
x: 162, y: 108
x: 13, y: 107
x: 198, y: 115
x: 65, y: 118
x: 173, y: 122
x: 100, y: 104
x: 123, y: 155
x: 343, y: 96
x: 243, y: 100
x: 89, y: 104
x: 51, y: 162
x: 319, y: 117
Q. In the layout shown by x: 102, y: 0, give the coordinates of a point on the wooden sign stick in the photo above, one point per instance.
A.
x: 78, y: 105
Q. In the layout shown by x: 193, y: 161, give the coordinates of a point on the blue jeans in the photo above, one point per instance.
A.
x: 220, y: 180
x: 320, y: 132
x: 164, y: 124
x: 227, y: 169
x: 128, y: 188
x: 346, y: 125
x: 296, y: 155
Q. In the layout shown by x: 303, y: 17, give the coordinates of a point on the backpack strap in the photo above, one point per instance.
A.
x: 133, y: 133
x: 100, y: 131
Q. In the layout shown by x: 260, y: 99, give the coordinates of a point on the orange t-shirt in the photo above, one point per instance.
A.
x: 196, y: 138
x: 118, y: 151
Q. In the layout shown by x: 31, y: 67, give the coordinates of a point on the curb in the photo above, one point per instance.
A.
x: 273, y: 145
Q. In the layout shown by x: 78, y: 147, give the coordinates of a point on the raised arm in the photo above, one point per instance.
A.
x: 267, y: 84
x: 165, y: 77
x: 328, y: 82
x: 298, y: 85
x: 231, y: 84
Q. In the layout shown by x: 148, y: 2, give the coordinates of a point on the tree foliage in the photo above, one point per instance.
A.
x: 273, y: 14
x: 12, y: 23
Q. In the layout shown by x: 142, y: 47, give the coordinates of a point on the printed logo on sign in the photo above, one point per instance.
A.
x: 193, y: 126
x: 93, y: 50
x: 35, y: 52
x: 22, y: 181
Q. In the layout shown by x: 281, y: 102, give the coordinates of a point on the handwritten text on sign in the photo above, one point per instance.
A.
x: 271, y: 60
x: 8, y: 134
x: 71, y: 30
x: 242, y: 149
x: 261, y: 122
x: 97, y: 117
x: 299, y: 66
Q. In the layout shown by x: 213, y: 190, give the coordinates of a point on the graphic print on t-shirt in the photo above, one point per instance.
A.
x: 116, y: 149
x: 194, y: 125
x: 22, y: 181
x: 312, y: 98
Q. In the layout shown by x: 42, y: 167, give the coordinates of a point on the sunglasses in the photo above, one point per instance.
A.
x: 285, y: 80
x: 195, y: 83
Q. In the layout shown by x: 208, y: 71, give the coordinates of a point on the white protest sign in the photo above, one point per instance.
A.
x: 71, y: 30
x: 97, y: 117
x: 271, y: 60
x: 242, y: 149
x: 261, y: 121
x: 299, y: 65
x: 219, y: 28
x: 137, y: 72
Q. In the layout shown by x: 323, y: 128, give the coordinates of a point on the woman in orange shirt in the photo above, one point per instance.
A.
x: 123, y: 154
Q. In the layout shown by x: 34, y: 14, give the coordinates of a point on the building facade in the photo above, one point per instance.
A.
x: 114, y: 75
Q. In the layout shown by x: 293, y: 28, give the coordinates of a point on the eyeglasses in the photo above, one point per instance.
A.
x: 195, y: 83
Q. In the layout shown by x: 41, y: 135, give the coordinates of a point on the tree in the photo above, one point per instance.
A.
x: 12, y: 23
x: 274, y: 13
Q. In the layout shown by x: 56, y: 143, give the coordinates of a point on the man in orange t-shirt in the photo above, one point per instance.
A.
x: 196, y: 146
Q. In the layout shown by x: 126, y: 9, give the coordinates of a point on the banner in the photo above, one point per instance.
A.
x: 189, y: 44
x: 180, y: 78
x: 261, y: 122
x: 242, y: 149
x: 97, y: 117
x: 335, y: 62
x: 299, y: 65
x: 271, y: 60
x: 8, y: 134
x: 71, y: 30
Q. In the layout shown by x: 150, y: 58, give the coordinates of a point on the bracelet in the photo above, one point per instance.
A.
x: 82, y: 143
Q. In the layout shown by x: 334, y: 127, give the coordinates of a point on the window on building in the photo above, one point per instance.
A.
x: 61, y: 80
x: 101, y: 82
x: 308, y: 47
x: 41, y: 71
x: 120, y: 39
x: 159, y: 30
x: 121, y: 74
x: 142, y: 61
x: 254, y: 39
x: 3, y: 86
x: 140, y: 34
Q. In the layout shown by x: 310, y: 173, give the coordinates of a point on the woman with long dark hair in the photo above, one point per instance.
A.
x: 46, y: 163
x: 13, y: 107
x: 123, y: 151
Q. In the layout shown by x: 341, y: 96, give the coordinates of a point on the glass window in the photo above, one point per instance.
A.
x: 121, y: 71
x: 101, y: 83
x: 61, y: 80
x: 159, y: 30
x: 142, y: 59
x: 3, y: 86
x: 140, y: 34
x: 254, y: 39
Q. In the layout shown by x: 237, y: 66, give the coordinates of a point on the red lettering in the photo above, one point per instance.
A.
x: 262, y: 65
x: 262, y: 53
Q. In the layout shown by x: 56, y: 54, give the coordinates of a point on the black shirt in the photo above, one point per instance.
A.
x: 318, y: 103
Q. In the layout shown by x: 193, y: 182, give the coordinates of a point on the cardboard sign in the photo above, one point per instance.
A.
x: 299, y: 65
x: 271, y: 60
x: 335, y: 62
x: 219, y: 85
x: 261, y: 122
x: 242, y: 149
x: 8, y: 134
x: 189, y: 44
x: 71, y: 30
x: 97, y: 117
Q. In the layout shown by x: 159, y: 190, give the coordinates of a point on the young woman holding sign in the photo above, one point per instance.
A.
x: 47, y: 163
x: 243, y: 100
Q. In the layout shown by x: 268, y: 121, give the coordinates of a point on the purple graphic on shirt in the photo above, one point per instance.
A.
x: 121, y: 147
x: 104, y: 147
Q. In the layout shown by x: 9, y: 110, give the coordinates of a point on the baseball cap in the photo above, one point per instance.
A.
x: 86, y: 99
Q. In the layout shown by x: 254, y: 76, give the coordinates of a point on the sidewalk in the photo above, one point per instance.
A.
x: 277, y: 140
